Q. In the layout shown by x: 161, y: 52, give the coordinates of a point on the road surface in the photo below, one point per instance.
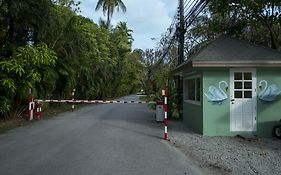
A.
x: 104, y: 139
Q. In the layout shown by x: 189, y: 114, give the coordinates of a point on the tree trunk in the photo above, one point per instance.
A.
x: 108, y: 19
x: 272, y: 38
x: 9, y: 38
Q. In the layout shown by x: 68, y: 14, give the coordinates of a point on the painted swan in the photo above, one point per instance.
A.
x: 268, y: 93
x: 215, y: 94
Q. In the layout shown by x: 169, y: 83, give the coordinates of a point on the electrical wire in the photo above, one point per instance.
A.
x: 189, y: 6
x: 191, y: 11
x: 197, y: 11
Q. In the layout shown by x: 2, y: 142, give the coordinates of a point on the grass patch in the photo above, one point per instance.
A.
x: 6, y: 125
x: 147, y: 98
x: 51, y: 110
x: 144, y: 98
x: 48, y: 111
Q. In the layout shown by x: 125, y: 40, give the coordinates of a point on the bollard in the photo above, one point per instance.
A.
x: 73, y: 100
x: 31, y: 105
x: 39, y: 111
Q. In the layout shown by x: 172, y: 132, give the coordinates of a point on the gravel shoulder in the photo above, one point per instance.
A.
x: 228, y: 155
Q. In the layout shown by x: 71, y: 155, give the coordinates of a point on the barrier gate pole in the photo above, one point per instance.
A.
x: 165, y: 106
x: 39, y: 111
x: 30, y: 105
x: 73, y: 100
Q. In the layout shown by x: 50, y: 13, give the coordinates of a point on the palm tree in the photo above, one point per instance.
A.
x: 108, y: 7
x: 122, y: 26
x: 102, y: 23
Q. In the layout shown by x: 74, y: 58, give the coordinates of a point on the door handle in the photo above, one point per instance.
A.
x: 232, y: 100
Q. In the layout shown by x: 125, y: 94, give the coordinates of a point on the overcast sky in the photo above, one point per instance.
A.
x: 147, y: 18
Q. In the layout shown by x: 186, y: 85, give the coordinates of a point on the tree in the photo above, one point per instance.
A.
x: 20, y: 22
x: 21, y: 72
x: 122, y: 27
x: 256, y: 21
x: 47, y: 46
x: 108, y: 7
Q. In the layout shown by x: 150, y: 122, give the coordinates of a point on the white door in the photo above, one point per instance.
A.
x: 243, y: 100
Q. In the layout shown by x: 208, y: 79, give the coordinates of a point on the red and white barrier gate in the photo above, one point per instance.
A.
x: 39, y: 106
x: 89, y: 101
x: 36, y: 104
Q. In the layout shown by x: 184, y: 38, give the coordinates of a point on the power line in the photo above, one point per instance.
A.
x: 189, y: 6
x: 172, y: 36
x: 191, y: 10
x: 191, y: 15
x: 195, y: 10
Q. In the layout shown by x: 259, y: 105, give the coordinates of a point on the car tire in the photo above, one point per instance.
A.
x: 277, y: 131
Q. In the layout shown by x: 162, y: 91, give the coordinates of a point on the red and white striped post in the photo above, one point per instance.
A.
x: 30, y: 106
x: 39, y: 111
x: 73, y: 100
x: 165, y: 106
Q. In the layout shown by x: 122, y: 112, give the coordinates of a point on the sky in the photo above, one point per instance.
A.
x: 147, y: 18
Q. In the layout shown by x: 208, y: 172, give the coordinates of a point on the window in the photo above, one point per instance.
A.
x: 243, y: 85
x: 192, y: 89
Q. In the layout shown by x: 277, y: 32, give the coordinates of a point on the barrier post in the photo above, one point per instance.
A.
x: 39, y: 111
x: 165, y: 106
x: 30, y: 105
x: 73, y: 100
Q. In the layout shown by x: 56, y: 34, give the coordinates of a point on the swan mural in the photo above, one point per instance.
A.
x: 268, y: 94
x: 217, y: 95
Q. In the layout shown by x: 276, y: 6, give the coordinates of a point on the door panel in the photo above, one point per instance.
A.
x: 243, y: 100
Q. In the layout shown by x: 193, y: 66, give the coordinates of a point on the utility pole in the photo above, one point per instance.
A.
x: 181, y: 33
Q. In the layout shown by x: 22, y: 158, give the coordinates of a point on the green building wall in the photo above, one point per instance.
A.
x: 215, y: 116
x: 193, y: 113
x: 268, y: 114
x: 193, y: 116
x: 214, y: 119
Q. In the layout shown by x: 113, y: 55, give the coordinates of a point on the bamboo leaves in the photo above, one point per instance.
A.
x: 62, y: 50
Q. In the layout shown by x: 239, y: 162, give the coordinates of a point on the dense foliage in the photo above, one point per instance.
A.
x: 257, y: 21
x: 47, y: 46
x: 159, y: 64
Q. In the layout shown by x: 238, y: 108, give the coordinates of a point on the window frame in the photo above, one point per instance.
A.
x: 186, y: 90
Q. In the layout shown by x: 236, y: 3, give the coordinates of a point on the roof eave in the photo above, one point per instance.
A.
x: 251, y: 63
x: 179, y: 69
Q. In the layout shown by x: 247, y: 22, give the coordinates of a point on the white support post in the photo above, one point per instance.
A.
x: 165, y: 106
x: 73, y: 100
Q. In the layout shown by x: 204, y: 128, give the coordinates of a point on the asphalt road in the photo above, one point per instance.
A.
x: 105, y: 139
